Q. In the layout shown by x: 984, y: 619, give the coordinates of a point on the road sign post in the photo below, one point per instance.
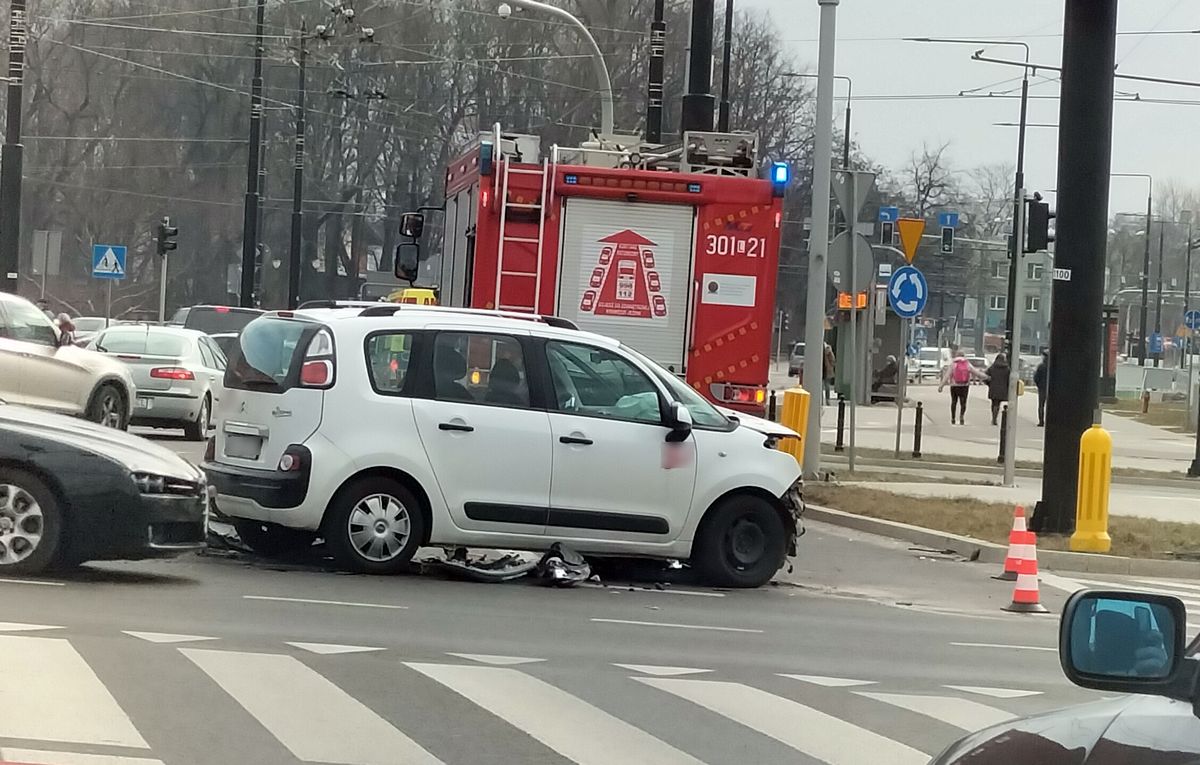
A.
x: 907, y: 292
x: 108, y: 263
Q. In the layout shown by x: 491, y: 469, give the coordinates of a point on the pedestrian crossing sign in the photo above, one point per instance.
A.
x: 108, y: 261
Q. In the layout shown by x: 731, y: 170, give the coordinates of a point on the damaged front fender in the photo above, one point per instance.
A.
x: 792, y: 502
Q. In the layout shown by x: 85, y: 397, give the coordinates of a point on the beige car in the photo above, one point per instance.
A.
x: 40, y: 368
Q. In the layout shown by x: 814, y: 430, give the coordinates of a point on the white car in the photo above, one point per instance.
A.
x: 395, y: 426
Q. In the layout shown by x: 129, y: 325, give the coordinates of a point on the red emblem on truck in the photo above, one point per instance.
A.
x: 624, y: 279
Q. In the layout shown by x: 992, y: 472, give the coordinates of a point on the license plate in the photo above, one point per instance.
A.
x: 242, y: 447
x: 145, y: 403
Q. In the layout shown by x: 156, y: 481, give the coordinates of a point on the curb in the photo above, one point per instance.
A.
x: 989, y: 552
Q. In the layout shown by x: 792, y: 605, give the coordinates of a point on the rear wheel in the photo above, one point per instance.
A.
x: 741, y: 543
x: 30, y: 524
x: 273, y: 541
x: 374, y: 526
x: 198, y: 430
x: 108, y: 408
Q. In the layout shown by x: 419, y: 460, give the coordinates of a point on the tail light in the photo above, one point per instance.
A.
x: 295, y: 459
x: 745, y: 395
x: 318, y: 368
x: 172, y: 373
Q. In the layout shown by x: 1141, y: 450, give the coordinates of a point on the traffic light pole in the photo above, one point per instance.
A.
x: 1014, y: 246
x: 250, y: 217
x: 1146, y: 277
x: 1016, y: 293
x: 12, y: 153
x: 1158, y: 298
x: 1084, y: 162
x: 162, y: 292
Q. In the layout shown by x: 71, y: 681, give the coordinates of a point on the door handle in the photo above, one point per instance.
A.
x: 575, y: 440
x: 455, y: 426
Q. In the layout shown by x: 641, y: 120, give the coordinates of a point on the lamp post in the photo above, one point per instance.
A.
x: 598, y: 65
x: 846, y: 123
x: 12, y: 153
x: 1145, y: 261
x: 250, y: 212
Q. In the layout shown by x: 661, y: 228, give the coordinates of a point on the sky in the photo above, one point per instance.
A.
x: 1162, y: 140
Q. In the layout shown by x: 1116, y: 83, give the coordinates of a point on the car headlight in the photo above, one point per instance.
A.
x: 152, y: 483
x: 149, y: 483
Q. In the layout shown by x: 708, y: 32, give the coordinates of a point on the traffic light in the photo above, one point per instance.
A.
x: 1037, y: 224
x: 166, y: 237
x: 887, y: 232
x: 784, y: 322
x: 947, y: 240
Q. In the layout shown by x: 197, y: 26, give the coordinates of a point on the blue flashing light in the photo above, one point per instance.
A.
x: 693, y: 188
x: 571, y: 179
x: 780, y: 173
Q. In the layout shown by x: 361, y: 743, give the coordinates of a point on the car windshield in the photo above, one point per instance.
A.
x: 265, y: 352
x: 89, y: 323
x: 930, y: 354
x: 213, y: 319
x: 703, y: 413
x: 148, y: 341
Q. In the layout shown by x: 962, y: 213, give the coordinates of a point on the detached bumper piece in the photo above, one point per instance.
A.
x: 793, y: 502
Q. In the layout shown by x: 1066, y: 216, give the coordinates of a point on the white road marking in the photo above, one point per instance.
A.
x: 19, y: 627
x: 499, y: 661
x: 567, y: 724
x: 312, y: 717
x: 807, y: 730
x: 655, y: 590
x: 1006, y: 645
x: 660, y: 671
x: 327, y: 649
x: 1189, y: 598
x: 39, y: 757
x: 961, y: 713
x: 34, y: 582
x: 828, y: 682
x: 1169, y: 584
x: 49, y: 693
x: 166, y: 637
x: 676, y: 626
x: 996, y: 693
x: 323, y: 602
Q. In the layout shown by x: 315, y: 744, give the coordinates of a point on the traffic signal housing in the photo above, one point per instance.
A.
x: 947, y: 240
x: 1037, y: 224
x: 166, y: 237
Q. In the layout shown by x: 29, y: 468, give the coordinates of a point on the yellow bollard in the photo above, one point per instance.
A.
x: 1095, y: 475
x: 794, y: 415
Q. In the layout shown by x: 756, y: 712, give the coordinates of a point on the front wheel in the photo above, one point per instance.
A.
x: 741, y: 543
x: 30, y: 524
x: 374, y: 526
x: 108, y: 408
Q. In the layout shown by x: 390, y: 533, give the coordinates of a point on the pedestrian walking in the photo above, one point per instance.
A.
x: 1041, y: 378
x: 958, y: 375
x: 998, y: 374
x: 828, y: 366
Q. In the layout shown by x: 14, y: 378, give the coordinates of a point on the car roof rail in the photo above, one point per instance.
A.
x: 390, y: 309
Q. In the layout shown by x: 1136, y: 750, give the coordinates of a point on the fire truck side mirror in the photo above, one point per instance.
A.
x: 408, y: 259
x: 412, y: 224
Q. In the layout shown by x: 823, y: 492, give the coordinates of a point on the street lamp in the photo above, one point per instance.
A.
x: 504, y: 10
x: 1145, y: 260
x: 1014, y: 264
x: 849, y: 99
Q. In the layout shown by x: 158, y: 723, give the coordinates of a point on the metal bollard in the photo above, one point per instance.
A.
x: 1003, y: 433
x: 1091, y: 506
x: 1145, y: 402
x: 840, y: 444
x: 771, y: 408
x: 917, y: 430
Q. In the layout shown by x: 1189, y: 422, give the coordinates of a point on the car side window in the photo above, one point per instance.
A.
x: 388, y: 357
x: 600, y: 383
x: 26, y: 322
x: 206, y: 355
x: 481, y: 369
x: 217, y: 353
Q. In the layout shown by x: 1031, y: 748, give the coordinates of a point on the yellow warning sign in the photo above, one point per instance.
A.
x: 911, y: 230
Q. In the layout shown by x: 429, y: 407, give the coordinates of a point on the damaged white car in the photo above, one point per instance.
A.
x: 387, y: 428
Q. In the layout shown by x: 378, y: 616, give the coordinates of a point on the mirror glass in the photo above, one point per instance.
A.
x: 1122, y: 638
x: 412, y: 224
x: 408, y: 257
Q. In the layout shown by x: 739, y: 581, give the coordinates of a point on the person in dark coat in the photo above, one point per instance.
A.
x: 1041, y: 378
x: 998, y: 374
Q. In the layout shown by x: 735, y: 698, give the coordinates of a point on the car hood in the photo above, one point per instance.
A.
x: 137, y: 454
x: 1142, y: 729
x: 766, y: 427
x: 95, y: 362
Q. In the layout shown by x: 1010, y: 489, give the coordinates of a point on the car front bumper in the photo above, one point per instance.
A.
x: 793, y: 502
x: 158, y: 526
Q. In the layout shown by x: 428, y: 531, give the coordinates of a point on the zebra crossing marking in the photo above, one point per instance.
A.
x: 961, y: 713
x: 498, y: 661
x: 166, y: 637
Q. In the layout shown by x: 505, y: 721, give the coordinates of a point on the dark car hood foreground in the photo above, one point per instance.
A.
x: 136, y: 454
x: 1141, y: 730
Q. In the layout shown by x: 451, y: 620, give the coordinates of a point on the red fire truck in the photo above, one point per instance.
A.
x: 674, y: 254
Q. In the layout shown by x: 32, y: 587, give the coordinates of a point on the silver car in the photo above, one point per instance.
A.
x: 40, y: 368
x: 178, y: 373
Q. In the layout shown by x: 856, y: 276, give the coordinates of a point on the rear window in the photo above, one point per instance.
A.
x: 265, y: 355
x: 142, y: 342
x: 213, y: 319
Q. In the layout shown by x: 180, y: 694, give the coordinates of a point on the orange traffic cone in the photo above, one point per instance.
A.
x: 1025, y: 593
x: 1018, y: 546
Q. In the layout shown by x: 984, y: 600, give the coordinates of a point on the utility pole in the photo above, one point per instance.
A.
x: 250, y: 213
x: 818, y: 249
x: 1084, y: 162
x: 727, y: 58
x: 12, y: 153
x: 1158, y: 298
x: 697, y: 112
x: 1145, y: 278
x: 654, y: 89
x: 295, y: 264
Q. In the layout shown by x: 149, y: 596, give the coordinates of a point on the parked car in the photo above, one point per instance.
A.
x: 40, y: 368
x: 384, y: 430
x: 931, y: 362
x: 211, y: 319
x: 72, y: 492
x: 226, y: 341
x: 1118, y: 643
x: 178, y: 374
x: 86, y: 327
x: 796, y: 360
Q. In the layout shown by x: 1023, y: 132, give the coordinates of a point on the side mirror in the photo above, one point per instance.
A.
x: 1128, y: 642
x: 408, y: 260
x: 679, y: 419
x: 412, y: 224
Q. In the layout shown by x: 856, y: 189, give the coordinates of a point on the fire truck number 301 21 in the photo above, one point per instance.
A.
x: 727, y: 244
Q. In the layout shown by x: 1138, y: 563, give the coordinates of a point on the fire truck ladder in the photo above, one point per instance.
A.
x: 506, y: 273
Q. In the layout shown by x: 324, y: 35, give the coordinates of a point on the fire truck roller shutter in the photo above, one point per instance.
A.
x: 644, y: 252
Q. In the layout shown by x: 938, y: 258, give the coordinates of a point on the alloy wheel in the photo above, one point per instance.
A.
x: 21, y: 524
